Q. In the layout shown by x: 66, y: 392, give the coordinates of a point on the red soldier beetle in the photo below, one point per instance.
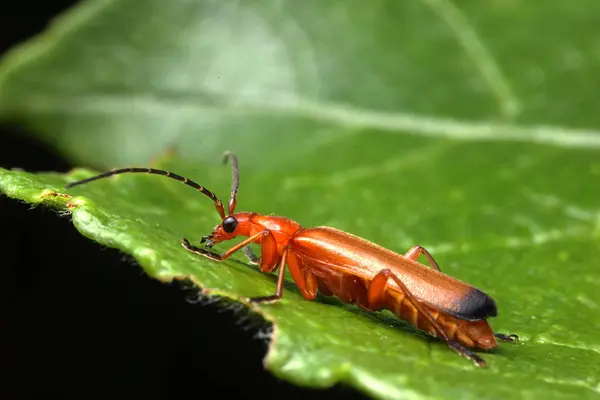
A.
x: 336, y: 263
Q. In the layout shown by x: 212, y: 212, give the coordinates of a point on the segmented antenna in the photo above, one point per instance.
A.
x: 186, y: 181
x: 236, y: 179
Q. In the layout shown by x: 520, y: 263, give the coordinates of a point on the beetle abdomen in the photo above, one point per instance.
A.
x: 353, y: 290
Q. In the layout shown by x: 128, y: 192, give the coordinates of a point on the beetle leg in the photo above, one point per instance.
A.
x: 507, y: 338
x: 279, y: 292
x: 376, y: 292
x: 220, y: 257
x: 252, y: 258
x: 416, y: 251
x: 304, y: 280
x: 463, y: 351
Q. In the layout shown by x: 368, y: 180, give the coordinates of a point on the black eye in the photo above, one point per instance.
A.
x: 229, y: 224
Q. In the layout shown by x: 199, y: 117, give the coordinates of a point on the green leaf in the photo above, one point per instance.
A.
x: 471, y: 131
x: 206, y: 75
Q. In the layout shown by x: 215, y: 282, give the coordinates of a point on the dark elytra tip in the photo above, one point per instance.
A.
x: 476, y: 305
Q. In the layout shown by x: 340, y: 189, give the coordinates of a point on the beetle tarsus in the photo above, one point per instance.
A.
x: 463, y: 351
x: 197, y: 250
x: 507, y: 338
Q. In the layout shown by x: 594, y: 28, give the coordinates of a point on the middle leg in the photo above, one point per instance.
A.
x: 279, y: 291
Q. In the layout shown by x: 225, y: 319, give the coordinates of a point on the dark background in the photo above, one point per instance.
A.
x: 81, y: 320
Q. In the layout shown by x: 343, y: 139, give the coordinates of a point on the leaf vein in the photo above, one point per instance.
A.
x: 334, y: 113
x: 475, y: 48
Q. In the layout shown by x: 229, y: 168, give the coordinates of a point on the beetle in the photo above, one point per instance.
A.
x: 336, y: 263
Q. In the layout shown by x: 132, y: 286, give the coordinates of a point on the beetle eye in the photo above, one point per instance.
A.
x: 229, y: 224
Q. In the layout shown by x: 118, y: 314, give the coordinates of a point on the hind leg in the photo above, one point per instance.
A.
x: 376, y: 294
x: 507, y: 338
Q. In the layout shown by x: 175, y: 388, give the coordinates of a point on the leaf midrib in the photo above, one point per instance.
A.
x: 352, y: 118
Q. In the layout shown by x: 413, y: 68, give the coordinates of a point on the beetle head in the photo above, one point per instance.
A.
x: 234, y: 225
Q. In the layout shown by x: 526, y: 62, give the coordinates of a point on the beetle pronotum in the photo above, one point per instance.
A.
x: 333, y: 262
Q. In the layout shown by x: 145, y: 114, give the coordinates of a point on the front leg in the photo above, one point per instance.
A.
x: 269, y: 256
x: 269, y: 260
x: 220, y: 257
x: 198, y: 250
x: 252, y: 258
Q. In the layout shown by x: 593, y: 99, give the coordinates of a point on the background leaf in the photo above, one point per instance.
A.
x: 203, y: 76
x: 462, y: 129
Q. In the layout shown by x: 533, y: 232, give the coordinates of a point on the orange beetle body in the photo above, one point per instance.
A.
x: 336, y: 263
